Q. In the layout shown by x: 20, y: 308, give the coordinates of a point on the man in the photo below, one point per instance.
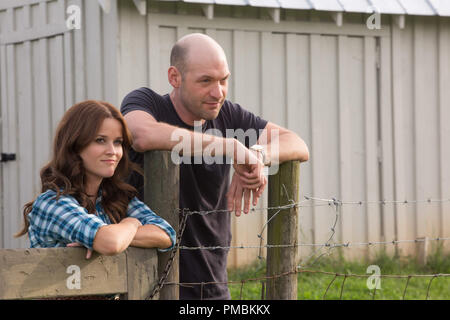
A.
x: 199, y: 76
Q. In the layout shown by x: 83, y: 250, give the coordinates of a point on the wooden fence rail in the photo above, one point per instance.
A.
x: 54, y: 272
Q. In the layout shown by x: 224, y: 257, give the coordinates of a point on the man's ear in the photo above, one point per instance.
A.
x: 174, y: 76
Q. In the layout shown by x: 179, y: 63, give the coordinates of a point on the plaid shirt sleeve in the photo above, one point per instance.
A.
x: 58, y: 222
x: 139, y: 210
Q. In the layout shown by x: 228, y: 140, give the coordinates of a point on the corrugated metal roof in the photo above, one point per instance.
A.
x: 388, y: 6
x: 264, y: 3
x: 356, y: 6
x: 417, y: 7
x: 327, y: 5
x: 407, y: 7
x: 295, y: 4
x: 442, y: 7
x: 232, y: 2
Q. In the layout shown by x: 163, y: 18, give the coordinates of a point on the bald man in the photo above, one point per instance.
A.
x: 194, y: 118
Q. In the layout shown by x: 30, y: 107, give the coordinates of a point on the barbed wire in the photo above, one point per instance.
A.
x: 242, y: 282
x: 159, y: 285
x: 317, y: 254
x: 328, y: 202
x: 328, y: 245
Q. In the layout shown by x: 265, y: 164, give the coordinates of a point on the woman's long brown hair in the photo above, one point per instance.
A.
x: 65, y: 173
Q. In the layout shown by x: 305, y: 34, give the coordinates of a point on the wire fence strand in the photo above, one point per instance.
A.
x: 319, y: 249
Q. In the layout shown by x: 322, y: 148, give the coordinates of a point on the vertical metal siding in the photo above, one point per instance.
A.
x: 444, y: 121
x: 45, y: 69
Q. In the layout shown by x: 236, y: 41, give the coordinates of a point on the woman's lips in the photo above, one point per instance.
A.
x: 109, y: 161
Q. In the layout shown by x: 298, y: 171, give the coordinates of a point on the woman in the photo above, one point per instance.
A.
x: 84, y: 199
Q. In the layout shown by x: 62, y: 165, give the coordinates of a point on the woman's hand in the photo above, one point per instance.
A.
x: 76, y: 244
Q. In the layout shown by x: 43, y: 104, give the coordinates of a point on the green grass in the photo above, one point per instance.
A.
x: 312, y: 286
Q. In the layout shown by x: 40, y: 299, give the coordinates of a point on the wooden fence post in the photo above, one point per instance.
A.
x: 142, y: 273
x: 283, y: 230
x: 161, y: 194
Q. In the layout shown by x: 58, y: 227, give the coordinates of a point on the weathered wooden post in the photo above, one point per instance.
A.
x: 283, y: 230
x: 142, y: 273
x: 161, y: 194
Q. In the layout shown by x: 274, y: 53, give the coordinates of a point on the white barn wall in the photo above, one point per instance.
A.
x: 444, y: 120
x: 45, y: 69
x: 420, y: 158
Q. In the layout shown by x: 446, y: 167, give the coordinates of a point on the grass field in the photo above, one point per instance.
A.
x: 312, y: 286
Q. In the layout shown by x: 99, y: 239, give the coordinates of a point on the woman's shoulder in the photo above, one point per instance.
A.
x: 49, y: 206
x: 135, y: 202
x: 51, y: 197
x: 137, y: 206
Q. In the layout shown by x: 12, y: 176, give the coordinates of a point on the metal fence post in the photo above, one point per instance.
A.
x: 161, y: 194
x: 283, y: 230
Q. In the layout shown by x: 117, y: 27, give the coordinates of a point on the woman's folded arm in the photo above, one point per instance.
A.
x: 116, y: 238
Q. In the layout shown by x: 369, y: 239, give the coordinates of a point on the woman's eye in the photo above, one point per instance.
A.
x: 100, y: 140
x: 118, y: 142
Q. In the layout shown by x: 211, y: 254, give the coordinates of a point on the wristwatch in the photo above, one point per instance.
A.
x: 260, y: 150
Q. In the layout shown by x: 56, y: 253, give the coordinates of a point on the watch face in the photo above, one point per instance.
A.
x: 256, y: 147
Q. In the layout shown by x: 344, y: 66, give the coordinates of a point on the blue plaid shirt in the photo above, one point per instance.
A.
x: 56, y: 223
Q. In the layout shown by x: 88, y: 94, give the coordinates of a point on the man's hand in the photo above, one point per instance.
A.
x: 249, y: 166
x: 248, y: 179
x: 238, y: 190
x: 234, y: 196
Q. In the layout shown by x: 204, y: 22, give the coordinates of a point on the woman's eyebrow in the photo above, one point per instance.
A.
x: 105, y: 136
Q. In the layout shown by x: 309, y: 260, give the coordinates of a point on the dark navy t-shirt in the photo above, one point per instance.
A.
x: 203, y: 187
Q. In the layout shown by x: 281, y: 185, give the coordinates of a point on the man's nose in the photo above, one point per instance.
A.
x: 217, y: 91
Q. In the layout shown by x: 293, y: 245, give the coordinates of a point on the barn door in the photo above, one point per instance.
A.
x: 36, y: 87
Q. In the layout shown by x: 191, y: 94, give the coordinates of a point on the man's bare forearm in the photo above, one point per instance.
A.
x: 281, y: 145
x: 288, y: 147
x: 152, y: 135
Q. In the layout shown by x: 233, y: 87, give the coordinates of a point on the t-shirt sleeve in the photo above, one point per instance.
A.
x: 245, y: 120
x: 143, y: 99
x: 139, y: 210
x: 63, y: 220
